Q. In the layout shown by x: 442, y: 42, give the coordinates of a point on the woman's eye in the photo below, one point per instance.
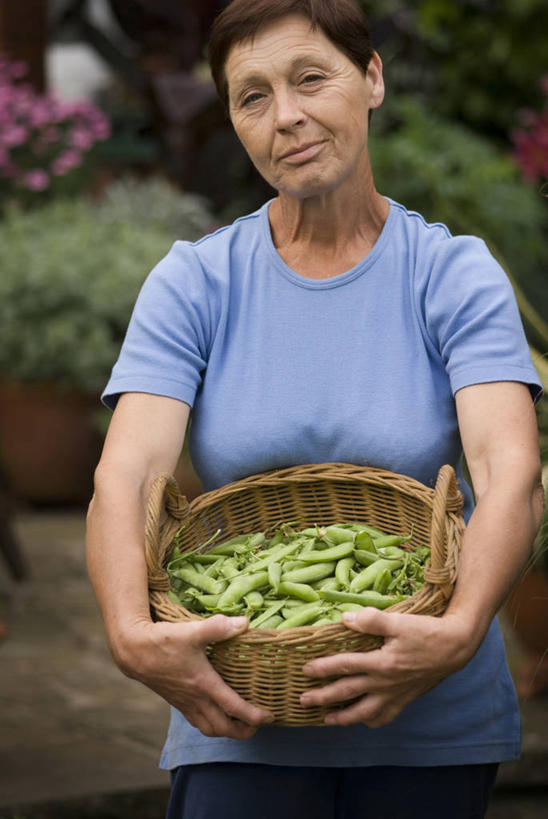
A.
x: 251, y: 98
x: 312, y: 78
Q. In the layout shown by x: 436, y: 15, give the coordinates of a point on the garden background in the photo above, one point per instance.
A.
x: 113, y: 145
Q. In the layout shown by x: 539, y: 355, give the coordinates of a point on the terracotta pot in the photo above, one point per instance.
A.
x: 49, y: 445
x: 526, y: 613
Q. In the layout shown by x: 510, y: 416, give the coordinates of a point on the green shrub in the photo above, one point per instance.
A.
x: 70, y: 274
x: 452, y: 175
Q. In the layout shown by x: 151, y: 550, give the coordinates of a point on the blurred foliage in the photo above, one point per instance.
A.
x: 450, y: 174
x: 71, y: 272
x: 476, y: 61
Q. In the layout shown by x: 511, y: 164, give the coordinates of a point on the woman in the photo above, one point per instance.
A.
x: 330, y: 325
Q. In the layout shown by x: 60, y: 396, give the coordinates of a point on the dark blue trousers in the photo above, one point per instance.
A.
x: 229, y: 790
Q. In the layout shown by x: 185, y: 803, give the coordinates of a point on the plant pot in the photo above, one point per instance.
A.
x: 49, y: 444
x: 526, y: 614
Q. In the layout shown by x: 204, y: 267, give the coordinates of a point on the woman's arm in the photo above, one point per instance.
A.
x: 145, y: 438
x: 499, y: 435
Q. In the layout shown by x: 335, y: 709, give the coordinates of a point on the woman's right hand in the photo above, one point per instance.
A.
x: 170, y: 659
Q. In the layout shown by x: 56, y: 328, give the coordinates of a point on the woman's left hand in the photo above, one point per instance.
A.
x: 418, y: 653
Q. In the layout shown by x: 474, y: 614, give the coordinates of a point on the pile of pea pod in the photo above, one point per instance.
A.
x: 285, y: 577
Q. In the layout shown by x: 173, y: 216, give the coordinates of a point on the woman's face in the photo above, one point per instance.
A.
x: 300, y: 106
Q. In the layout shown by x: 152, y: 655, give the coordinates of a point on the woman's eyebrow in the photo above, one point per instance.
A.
x: 258, y: 78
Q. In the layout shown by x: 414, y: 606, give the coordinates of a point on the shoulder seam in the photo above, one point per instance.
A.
x: 427, y: 225
x: 224, y: 228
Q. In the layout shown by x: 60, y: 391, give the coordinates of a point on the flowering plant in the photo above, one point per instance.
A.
x: 531, y: 141
x: 42, y: 139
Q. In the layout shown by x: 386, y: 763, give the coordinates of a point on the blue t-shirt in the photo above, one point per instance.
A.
x: 362, y: 368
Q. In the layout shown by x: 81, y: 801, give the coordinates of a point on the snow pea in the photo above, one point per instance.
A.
x: 308, y: 574
x: 366, y: 598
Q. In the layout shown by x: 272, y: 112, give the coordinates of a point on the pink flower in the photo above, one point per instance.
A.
x: 35, y: 180
x: 81, y: 138
x: 65, y: 162
x: 13, y: 135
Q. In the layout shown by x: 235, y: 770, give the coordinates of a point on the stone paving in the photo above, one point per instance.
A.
x: 77, y: 736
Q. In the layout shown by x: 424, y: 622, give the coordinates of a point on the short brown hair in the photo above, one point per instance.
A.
x: 342, y: 21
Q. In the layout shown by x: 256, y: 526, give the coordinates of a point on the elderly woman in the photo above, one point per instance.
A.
x: 333, y: 324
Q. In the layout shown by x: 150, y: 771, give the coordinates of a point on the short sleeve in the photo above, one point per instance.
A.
x: 166, y: 345
x: 473, y: 320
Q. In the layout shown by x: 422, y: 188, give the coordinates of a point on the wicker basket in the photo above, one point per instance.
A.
x: 264, y: 665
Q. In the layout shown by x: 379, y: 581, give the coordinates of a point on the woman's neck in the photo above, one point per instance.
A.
x: 325, y: 235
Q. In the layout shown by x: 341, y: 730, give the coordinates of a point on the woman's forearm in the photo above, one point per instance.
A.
x: 496, y: 546
x: 115, y: 553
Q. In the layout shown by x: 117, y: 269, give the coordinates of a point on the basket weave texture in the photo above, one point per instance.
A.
x: 264, y: 665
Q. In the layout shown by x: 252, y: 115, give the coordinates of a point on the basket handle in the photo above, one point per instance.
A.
x: 446, y: 496
x: 166, y: 509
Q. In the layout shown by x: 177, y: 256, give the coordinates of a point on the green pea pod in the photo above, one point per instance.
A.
x: 382, y: 582
x: 342, y: 570
x: 289, y: 610
x: 331, y: 553
x: 274, y: 575
x: 366, y: 598
x: 208, y: 601
x: 338, y: 535
x: 365, y: 558
x: 391, y: 540
x: 240, y: 586
x: 272, y: 622
x: 370, y: 530
x: 392, y: 552
x: 276, y: 555
x: 257, y: 540
x: 229, y: 567
x: 299, y: 590
x: 327, y: 583
x: 201, y: 581
x: 308, y: 574
x: 323, y: 621
x: 254, y: 600
x: 205, y: 558
x: 229, y: 547
x: 364, y: 541
x: 302, y: 617
x: 259, y: 619
x: 366, y: 578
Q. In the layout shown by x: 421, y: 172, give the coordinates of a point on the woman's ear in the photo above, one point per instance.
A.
x: 376, y: 81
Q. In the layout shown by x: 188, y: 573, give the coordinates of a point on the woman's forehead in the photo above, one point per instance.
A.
x: 289, y: 42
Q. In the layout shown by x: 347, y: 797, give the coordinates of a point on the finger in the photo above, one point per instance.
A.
x: 338, y: 691
x: 338, y: 665
x: 215, y: 629
x: 373, y: 710
x: 221, y: 725
x: 370, y: 620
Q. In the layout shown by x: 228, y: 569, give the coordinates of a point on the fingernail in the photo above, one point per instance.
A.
x: 237, y: 623
x: 305, y: 699
x: 349, y: 617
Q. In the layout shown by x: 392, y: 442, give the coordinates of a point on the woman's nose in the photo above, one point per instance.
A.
x: 288, y: 111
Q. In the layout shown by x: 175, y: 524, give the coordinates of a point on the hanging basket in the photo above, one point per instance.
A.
x: 265, y: 665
